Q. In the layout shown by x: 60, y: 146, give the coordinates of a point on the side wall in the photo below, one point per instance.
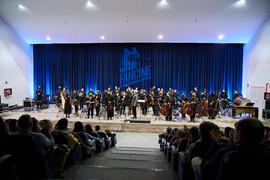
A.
x: 16, y: 65
x: 256, y: 65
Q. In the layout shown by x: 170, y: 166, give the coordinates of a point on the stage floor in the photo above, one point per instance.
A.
x: 156, y: 125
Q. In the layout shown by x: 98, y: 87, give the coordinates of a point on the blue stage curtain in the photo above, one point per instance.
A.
x: 179, y: 66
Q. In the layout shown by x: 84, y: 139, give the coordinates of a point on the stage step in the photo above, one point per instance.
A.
x: 147, y: 121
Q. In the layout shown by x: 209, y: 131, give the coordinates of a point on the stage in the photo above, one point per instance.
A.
x: 144, y: 124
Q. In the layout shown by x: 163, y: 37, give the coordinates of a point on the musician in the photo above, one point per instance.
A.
x: 192, y: 102
x: 212, y: 105
x: 236, y: 94
x: 68, y: 103
x: 76, y: 101
x: 91, y: 106
x: 134, y: 104
x: 168, y: 112
x: 82, y: 96
x: 58, y: 94
x: 183, y: 100
x: 124, y: 103
x: 175, y: 99
x: 197, y: 93
x: 117, y: 102
x: 110, y: 105
x: 97, y: 102
x: 143, y: 104
x: 39, y: 94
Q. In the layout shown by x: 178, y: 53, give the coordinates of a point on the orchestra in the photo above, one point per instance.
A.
x: 119, y: 102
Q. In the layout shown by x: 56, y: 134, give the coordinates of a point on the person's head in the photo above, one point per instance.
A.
x: 249, y: 131
x: 3, y: 128
x: 25, y: 123
x: 13, y: 125
x: 174, y: 131
x: 88, y: 128
x: 62, y: 124
x: 38, y: 87
x: 223, y: 90
x: 227, y: 131
x: 97, y: 128
x: 183, y: 94
x: 45, y: 124
x: 194, y: 131
x: 35, y: 127
x: 214, y: 93
x: 216, y: 132
x: 180, y: 133
x: 169, y: 130
x: 235, y: 92
x: 205, y: 129
x: 78, y: 127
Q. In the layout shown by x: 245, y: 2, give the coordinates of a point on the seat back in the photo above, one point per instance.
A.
x: 60, y: 138
x: 244, y: 164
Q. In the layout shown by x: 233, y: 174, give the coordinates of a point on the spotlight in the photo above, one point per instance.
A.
x: 163, y: 3
x: 48, y: 38
x: 221, y: 36
x: 21, y: 7
x: 160, y: 36
x: 89, y: 4
x: 240, y: 3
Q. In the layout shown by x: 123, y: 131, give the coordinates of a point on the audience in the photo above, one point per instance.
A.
x: 204, y: 153
x: 50, y: 144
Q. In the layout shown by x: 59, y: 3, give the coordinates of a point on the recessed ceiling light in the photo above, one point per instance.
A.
x: 89, y: 4
x: 221, y: 36
x: 21, y: 7
x: 48, y: 38
x: 163, y: 3
x: 240, y: 3
x: 102, y: 37
x: 160, y: 36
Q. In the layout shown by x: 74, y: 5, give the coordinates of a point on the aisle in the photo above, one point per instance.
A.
x: 124, y: 163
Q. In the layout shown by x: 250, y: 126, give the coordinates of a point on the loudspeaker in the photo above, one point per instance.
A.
x: 266, y: 114
x: 267, y: 104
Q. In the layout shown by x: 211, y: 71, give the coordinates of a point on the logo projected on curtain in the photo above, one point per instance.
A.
x: 134, y: 68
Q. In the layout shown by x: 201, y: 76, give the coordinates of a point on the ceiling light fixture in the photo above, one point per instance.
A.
x: 89, y: 4
x: 160, y: 36
x: 240, y: 3
x: 21, y: 7
x: 163, y: 3
x: 221, y: 36
x: 102, y: 37
x: 48, y: 38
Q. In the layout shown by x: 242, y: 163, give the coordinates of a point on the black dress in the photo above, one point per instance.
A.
x: 67, y: 109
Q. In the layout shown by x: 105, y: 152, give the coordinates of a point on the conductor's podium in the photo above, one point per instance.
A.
x: 253, y: 111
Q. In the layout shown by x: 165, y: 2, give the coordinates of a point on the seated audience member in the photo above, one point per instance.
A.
x: 35, y: 127
x: 13, y: 126
x: 248, y: 136
x: 112, y: 136
x: 62, y: 136
x: 180, y: 134
x: 201, y: 147
x: 103, y: 135
x: 100, y: 143
x: 3, y: 136
x: 174, y: 137
x: 43, y: 144
x: 85, y: 137
x: 266, y: 138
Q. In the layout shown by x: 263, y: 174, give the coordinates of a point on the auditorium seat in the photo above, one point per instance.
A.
x: 8, y: 168
x: 245, y: 164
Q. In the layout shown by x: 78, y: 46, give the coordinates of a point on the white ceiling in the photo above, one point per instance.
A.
x: 69, y: 21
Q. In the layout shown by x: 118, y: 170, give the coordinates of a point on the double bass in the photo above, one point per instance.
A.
x: 183, y: 107
x: 190, y: 108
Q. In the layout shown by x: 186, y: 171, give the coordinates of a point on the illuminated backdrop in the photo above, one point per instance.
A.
x: 142, y: 65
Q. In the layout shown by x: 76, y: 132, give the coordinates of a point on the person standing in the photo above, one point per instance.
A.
x: 134, y: 103
x: 68, y: 103
x: 76, y: 101
x: 82, y: 96
x: 39, y: 94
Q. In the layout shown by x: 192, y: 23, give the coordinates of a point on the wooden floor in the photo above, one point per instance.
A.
x: 156, y: 125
